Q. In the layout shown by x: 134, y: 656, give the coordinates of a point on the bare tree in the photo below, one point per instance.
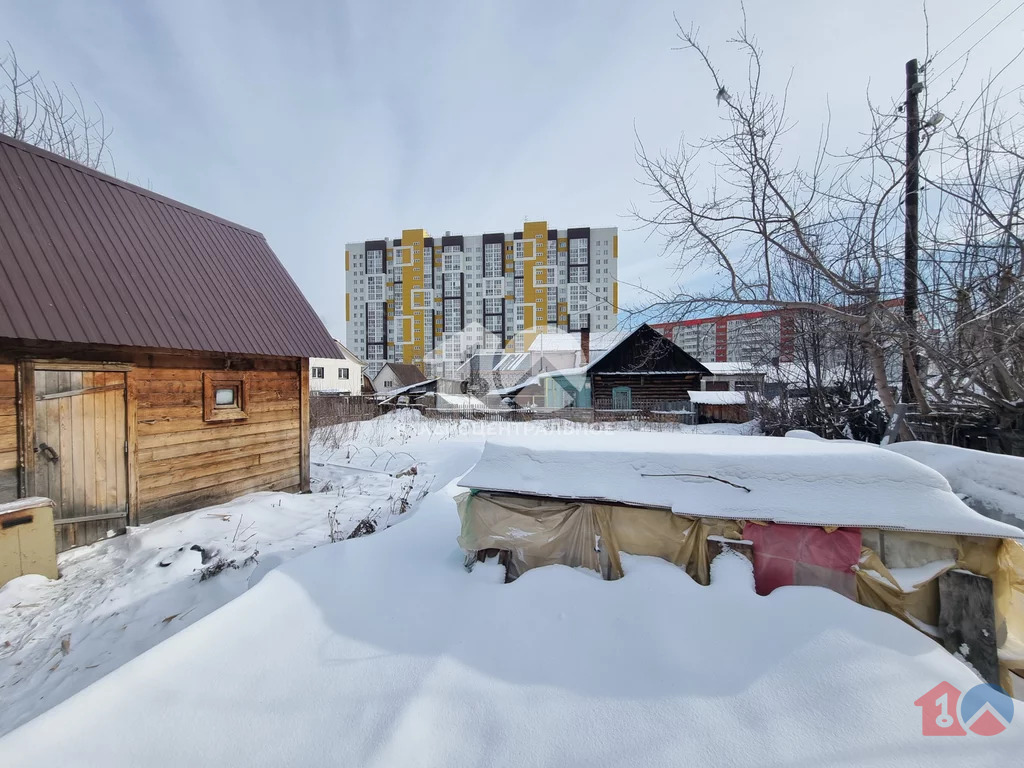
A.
x: 975, y: 264
x: 822, y: 239
x: 49, y: 117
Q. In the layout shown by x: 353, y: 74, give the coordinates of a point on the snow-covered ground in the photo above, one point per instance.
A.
x: 122, y: 596
x: 383, y: 651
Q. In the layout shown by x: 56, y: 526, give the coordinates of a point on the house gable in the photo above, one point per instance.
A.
x: 646, y: 351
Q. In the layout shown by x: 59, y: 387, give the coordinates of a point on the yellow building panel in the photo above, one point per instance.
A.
x: 615, y: 297
x: 615, y: 247
x: 412, y: 239
x: 348, y: 303
x: 346, y: 261
x: 535, y: 241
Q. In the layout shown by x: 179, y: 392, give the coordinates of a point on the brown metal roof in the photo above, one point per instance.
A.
x: 89, y: 259
x: 407, y: 373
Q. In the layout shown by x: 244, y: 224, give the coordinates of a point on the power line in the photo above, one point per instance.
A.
x: 979, y: 41
x: 962, y: 33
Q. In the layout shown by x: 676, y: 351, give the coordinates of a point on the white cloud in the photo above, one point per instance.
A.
x: 322, y: 122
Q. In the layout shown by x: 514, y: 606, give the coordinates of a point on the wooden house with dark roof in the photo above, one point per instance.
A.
x: 153, y: 357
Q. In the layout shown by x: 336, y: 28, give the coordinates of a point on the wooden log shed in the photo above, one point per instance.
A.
x: 153, y: 357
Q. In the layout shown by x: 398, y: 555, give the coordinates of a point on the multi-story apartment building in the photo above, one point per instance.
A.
x: 426, y: 300
x: 752, y: 337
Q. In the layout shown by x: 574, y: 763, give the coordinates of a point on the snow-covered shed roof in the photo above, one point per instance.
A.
x: 800, y: 482
x: 556, y: 342
x: 718, y: 398
x: 733, y: 369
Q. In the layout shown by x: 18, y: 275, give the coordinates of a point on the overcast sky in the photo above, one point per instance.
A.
x: 320, y: 123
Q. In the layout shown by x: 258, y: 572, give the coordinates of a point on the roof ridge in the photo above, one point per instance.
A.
x: 134, y: 188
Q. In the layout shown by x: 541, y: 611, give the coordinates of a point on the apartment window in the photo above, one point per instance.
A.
x: 579, y: 322
x: 452, y: 259
x: 375, y: 262
x: 342, y: 373
x: 375, y: 288
x: 578, y: 274
x: 493, y: 260
x: 578, y: 251
x: 577, y: 298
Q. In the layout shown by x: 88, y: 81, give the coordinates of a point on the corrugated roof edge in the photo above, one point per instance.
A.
x: 106, y: 177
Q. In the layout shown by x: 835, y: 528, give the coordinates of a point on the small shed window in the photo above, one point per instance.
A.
x: 224, y: 396
x: 316, y: 372
x: 343, y: 373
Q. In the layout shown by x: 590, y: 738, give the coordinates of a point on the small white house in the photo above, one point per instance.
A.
x: 397, y: 376
x: 340, y: 375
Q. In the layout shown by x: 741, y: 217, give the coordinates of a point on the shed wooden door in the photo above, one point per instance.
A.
x: 80, y: 453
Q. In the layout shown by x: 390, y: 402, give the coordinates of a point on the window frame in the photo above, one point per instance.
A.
x: 214, y: 380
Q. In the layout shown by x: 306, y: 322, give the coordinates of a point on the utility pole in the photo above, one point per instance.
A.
x: 910, y: 236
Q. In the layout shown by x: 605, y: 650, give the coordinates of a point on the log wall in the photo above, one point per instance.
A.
x: 177, y: 460
x: 649, y: 391
x: 8, y: 435
x: 183, y: 462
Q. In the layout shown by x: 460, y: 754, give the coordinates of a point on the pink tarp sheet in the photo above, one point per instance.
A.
x: 786, y: 555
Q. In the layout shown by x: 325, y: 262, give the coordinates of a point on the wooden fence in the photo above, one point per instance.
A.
x: 328, y: 409
x: 577, y: 415
x: 954, y: 429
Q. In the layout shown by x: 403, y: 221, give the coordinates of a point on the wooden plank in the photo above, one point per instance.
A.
x: 178, y: 373
x: 8, y: 484
x: 218, y: 456
x: 88, y: 433
x: 112, y: 450
x: 65, y: 507
x: 78, y: 392
x: 25, y: 381
x: 151, y: 413
x: 967, y: 618
x: 210, y: 433
x: 78, y: 475
x: 304, y: 425
x: 199, y: 475
x: 131, y: 436
x: 121, y: 448
x: 164, y: 506
x: 155, y: 423
x: 220, y: 478
x: 90, y: 519
x: 43, y: 364
x: 288, y: 434
x: 50, y: 423
x: 96, y: 453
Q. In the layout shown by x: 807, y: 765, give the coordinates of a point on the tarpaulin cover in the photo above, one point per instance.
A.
x: 538, y: 532
x: 787, y: 555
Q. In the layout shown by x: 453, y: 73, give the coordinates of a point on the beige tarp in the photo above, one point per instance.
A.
x: 538, y: 532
